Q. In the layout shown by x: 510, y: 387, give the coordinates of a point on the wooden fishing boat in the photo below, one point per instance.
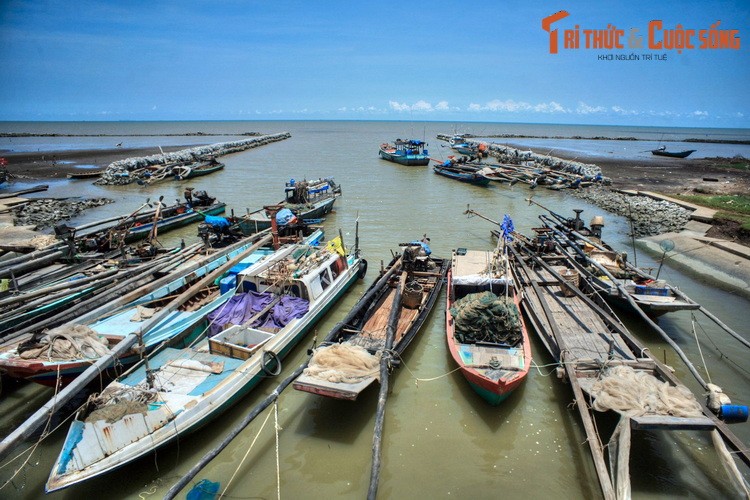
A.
x: 662, y: 151
x: 175, y: 391
x: 410, y: 152
x: 462, y: 175
x: 361, y: 337
x: 173, y: 217
x: 182, y: 172
x: 92, y: 174
x: 139, y: 226
x: 609, y: 271
x: 607, y: 368
x: 66, y: 351
x: 485, y: 332
x: 461, y: 146
x: 307, y: 200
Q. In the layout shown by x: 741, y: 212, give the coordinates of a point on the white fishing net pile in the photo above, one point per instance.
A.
x: 343, y: 363
x: 636, y: 393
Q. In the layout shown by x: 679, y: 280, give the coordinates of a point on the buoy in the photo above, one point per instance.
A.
x: 733, y: 413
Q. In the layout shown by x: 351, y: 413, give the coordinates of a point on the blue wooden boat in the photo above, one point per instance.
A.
x: 462, y: 174
x: 411, y: 152
x: 308, y: 200
x: 459, y: 144
x: 111, y: 325
x: 180, y: 390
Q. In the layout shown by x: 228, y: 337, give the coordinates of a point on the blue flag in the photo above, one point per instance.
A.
x: 507, y: 228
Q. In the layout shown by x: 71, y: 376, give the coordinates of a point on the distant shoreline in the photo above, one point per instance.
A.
x: 602, y: 138
x: 468, y: 136
x: 184, y: 134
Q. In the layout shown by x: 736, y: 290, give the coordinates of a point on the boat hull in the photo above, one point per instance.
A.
x: 195, y: 413
x: 490, y: 387
x: 676, y: 154
x: 259, y: 221
x: 167, y: 224
x: 418, y: 160
x: 376, y: 304
x: 467, y: 177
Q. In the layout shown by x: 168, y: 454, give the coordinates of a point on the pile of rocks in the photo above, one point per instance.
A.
x: 48, y: 212
x: 118, y: 172
x: 649, y: 216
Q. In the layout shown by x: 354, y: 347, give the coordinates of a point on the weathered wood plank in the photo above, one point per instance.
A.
x: 671, y: 423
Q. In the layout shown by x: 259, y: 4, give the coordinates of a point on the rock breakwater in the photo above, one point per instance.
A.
x: 649, y: 216
x: 118, y: 172
x: 48, y: 212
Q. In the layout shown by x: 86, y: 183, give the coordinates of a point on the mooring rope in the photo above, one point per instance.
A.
x: 223, y: 493
x: 700, y: 351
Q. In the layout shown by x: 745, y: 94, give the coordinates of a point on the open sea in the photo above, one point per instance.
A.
x: 441, y: 440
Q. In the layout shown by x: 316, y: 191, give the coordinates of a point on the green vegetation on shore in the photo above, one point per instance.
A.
x: 732, y: 207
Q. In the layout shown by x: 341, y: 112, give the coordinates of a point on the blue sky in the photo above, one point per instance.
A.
x: 437, y: 60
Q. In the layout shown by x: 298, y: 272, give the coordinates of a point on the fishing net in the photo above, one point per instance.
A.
x: 114, y: 412
x: 65, y: 342
x: 485, y: 317
x: 634, y: 393
x: 343, y: 363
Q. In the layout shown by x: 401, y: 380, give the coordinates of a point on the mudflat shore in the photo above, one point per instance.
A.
x: 669, y: 175
x: 57, y: 164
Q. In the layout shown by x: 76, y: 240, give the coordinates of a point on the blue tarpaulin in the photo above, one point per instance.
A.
x: 284, y: 216
x: 424, y: 246
x: 217, y: 221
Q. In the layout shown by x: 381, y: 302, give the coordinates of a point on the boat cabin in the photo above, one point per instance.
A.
x: 411, y: 147
x: 281, y: 291
x: 299, y: 192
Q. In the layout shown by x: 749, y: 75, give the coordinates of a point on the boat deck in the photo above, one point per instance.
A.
x: 372, y: 334
x: 585, y: 335
x: 175, y: 379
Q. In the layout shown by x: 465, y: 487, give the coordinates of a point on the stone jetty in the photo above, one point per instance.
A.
x: 118, y: 172
x: 649, y: 216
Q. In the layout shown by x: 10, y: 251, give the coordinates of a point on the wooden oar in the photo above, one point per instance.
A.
x: 385, y: 365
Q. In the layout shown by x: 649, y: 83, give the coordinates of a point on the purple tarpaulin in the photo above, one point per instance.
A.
x: 286, y: 310
x: 238, y: 310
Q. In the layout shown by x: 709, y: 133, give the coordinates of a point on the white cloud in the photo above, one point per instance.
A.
x: 442, y: 106
x: 699, y: 114
x: 550, y: 107
x: 511, y: 106
x: 622, y: 111
x: 420, y: 105
x: 585, y: 109
x: 397, y: 106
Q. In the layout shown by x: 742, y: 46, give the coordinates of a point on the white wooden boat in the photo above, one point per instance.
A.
x: 178, y: 390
